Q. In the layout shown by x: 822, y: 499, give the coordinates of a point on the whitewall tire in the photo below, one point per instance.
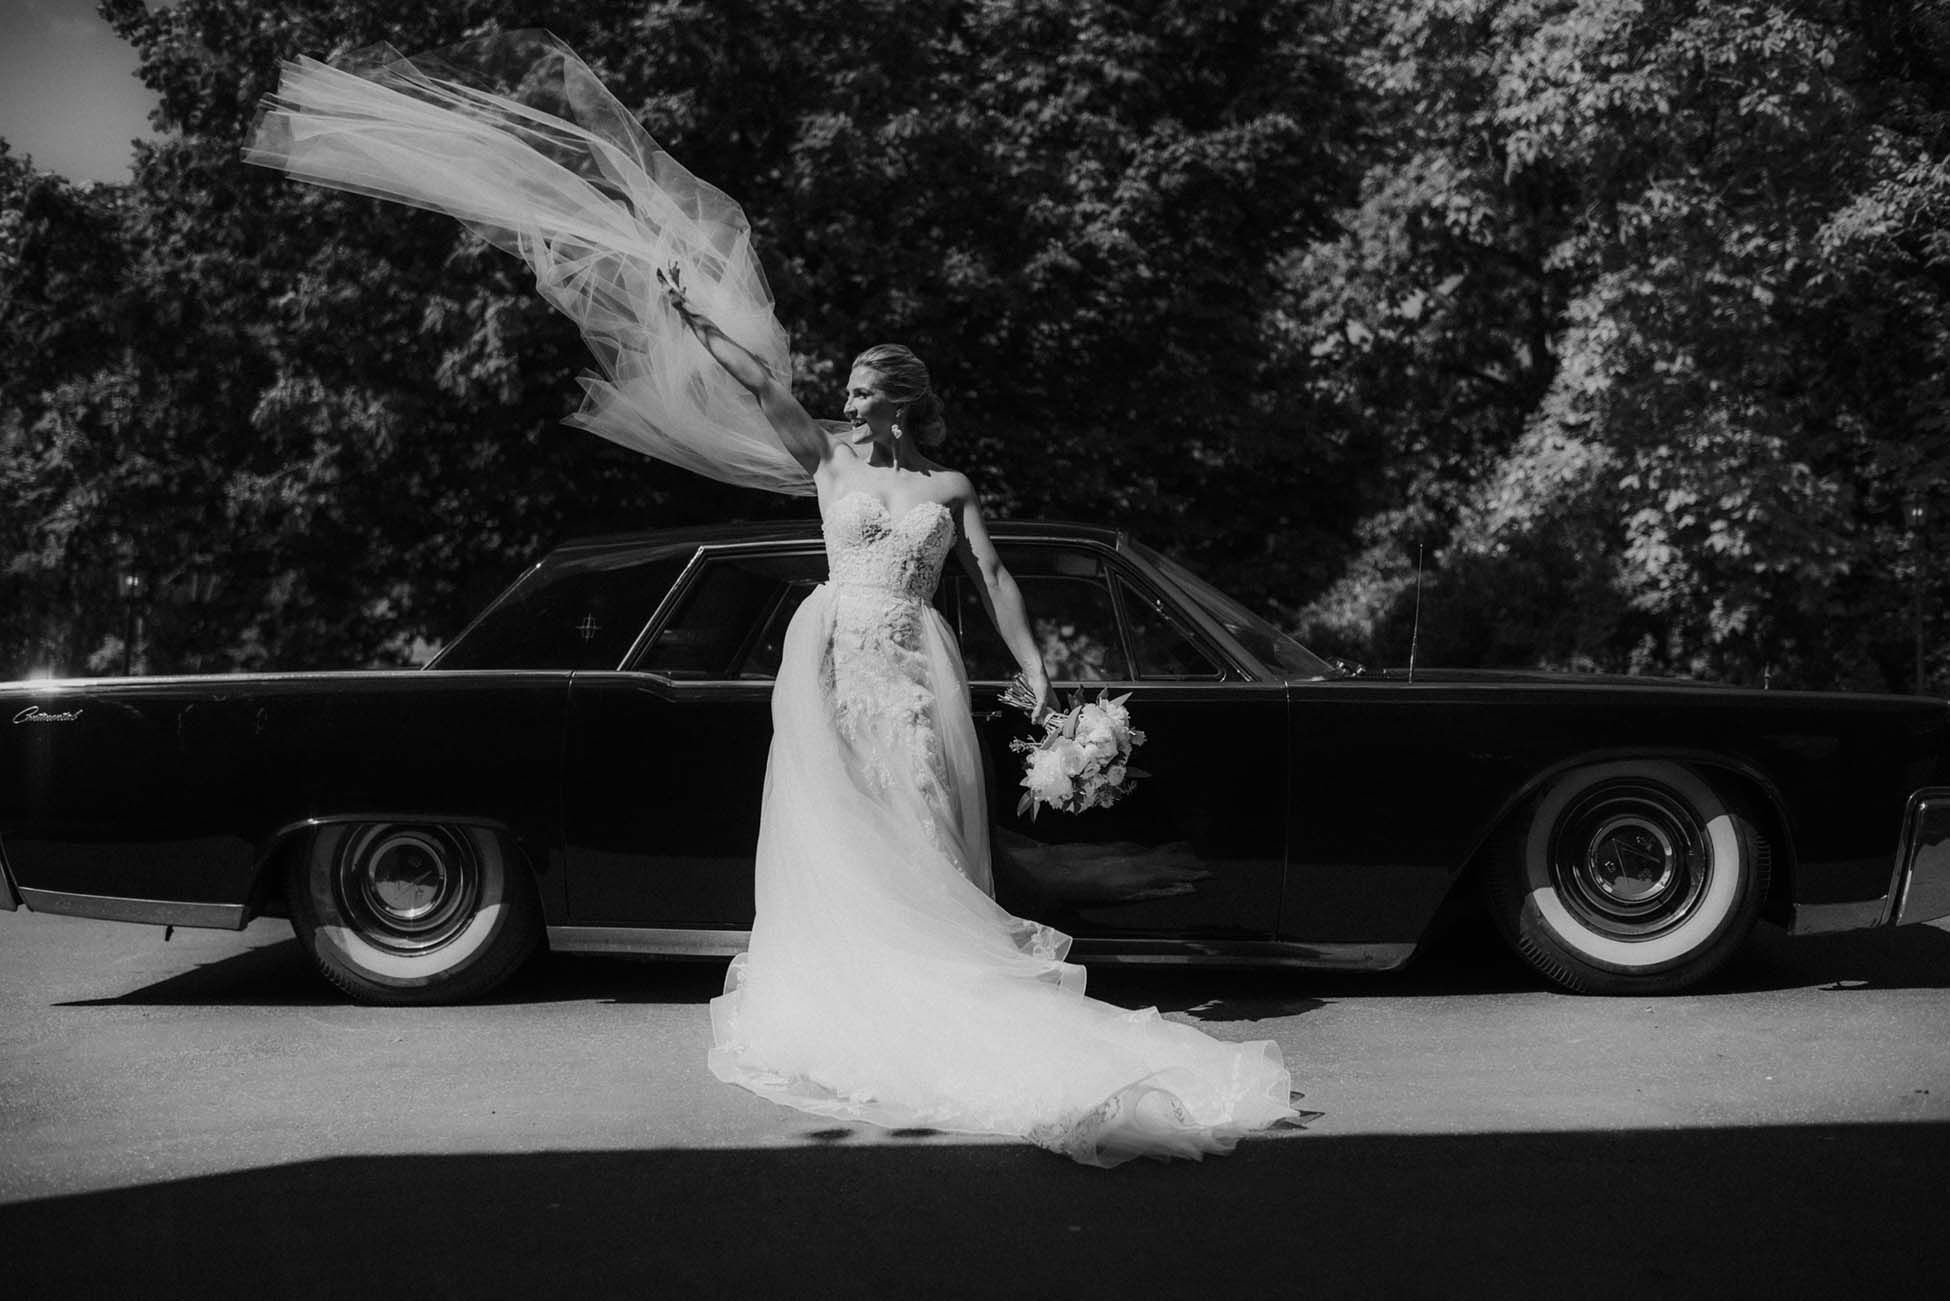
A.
x: 1632, y: 877
x: 413, y: 912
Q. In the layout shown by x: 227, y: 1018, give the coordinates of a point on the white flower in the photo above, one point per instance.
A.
x: 1071, y: 755
x: 1096, y: 732
x: 1046, y: 778
x: 1081, y: 762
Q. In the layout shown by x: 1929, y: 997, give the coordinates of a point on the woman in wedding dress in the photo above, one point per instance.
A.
x: 882, y: 982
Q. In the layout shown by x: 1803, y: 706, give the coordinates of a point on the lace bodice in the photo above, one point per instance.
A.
x: 868, y: 546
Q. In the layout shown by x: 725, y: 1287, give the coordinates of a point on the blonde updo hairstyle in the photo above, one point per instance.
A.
x: 904, y: 378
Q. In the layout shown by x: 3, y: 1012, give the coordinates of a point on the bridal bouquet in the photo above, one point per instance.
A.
x: 1083, y: 760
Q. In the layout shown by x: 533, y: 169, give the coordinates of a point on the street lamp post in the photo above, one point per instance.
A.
x: 1916, y: 514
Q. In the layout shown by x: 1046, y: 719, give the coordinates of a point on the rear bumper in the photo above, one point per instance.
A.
x: 1922, y: 890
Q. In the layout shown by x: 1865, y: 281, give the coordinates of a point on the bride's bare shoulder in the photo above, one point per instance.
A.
x: 952, y: 488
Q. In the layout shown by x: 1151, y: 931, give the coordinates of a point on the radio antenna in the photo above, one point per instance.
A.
x: 1415, y: 632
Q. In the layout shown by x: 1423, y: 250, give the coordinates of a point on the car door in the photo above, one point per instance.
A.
x: 665, y: 761
x: 1196, y: 854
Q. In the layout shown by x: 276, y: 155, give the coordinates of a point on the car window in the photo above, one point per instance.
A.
x: 1260, y: 638
x: 1160, y: 647
x: 577, y: 615
x: 730, y: 622
x: 768, y: 649
x: 1067, y: 597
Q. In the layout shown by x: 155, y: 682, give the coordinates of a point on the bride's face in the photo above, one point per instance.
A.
x: 867, y: 405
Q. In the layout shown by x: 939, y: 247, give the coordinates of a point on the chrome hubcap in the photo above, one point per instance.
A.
x: 1630, y: 858
x: 407, y: 888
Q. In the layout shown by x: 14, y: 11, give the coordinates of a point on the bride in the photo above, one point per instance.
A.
x: 882, y: 982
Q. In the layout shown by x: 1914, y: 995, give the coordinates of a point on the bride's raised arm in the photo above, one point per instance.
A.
x: 797, y: 430
x: 1001, y: 598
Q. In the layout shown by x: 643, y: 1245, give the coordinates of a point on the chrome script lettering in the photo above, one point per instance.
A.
x: 35, y: 714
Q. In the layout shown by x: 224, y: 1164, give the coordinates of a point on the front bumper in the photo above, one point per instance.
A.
x: 1922, y: 890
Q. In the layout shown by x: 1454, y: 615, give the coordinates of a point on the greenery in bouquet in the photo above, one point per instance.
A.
x: 1083, y: 759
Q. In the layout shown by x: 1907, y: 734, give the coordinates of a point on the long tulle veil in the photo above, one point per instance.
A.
x: 514, y: 136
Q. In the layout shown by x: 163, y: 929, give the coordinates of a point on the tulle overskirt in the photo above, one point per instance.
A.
x: 515, y: 137
x: 882, y: 983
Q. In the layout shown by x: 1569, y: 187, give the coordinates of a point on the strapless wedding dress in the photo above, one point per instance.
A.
x: 882, y: 982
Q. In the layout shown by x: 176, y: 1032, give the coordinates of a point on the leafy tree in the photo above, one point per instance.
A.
x: 333, y: 425
x: 1647, y: 305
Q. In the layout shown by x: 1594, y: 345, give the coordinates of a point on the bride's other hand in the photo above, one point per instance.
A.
x: 672, y: 280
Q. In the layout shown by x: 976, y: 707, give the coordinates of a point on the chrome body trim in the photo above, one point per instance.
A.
x: 1827, y: 918
x: 1923, y: 863
x: 651, y: 941
x: 671, y: 942
x: 1337, y: 956
x: 155, y: 912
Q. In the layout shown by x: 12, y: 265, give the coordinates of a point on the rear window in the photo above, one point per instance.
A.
x: 578, y: 615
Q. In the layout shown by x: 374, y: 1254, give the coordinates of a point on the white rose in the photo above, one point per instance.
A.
x: 1046, y: 777
x: 1073, y: 757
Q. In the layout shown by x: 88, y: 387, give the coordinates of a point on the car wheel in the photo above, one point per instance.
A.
x: 412, y: 912
x: 1637, y: 877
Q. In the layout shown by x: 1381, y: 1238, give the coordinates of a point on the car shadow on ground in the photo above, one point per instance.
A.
x: 1778, y: 1212
x: 263, y: 975
x: 1468, y: 960
x: 1903, y: 957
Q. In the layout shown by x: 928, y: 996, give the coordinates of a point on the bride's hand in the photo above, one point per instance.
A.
x: 1035, y: 699
x: 1045, y: 704
x: 672, y: 280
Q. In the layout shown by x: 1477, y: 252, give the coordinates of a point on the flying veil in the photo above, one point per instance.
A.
x: 514, y: 136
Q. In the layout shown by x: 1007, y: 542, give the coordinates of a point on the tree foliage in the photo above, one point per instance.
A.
x: 333, y: 425
x: 1647, y: 300
x: 1627, y: 316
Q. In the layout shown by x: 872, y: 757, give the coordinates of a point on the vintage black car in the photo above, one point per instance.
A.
x: 582, y: 767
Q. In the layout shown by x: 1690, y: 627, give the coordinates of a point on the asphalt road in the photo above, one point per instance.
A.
x: 206, y: 1118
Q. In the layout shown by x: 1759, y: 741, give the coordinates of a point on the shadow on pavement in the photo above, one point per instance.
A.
x: 1905, y: 957
x: 265, y: 975
x: 1776, y: 1212
x: 1470, y: 960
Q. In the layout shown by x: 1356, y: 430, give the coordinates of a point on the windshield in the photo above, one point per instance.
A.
x: 1261, y: 639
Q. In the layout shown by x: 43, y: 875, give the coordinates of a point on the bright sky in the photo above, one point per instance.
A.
x: 68, y: 93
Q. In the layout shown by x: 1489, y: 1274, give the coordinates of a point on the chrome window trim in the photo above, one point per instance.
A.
x: 648, y: 633
x: 1236, y: 664
x: 687, y: 578
x: 501, y: 598
x: 1232, y: 657
x: 1128, y: 581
